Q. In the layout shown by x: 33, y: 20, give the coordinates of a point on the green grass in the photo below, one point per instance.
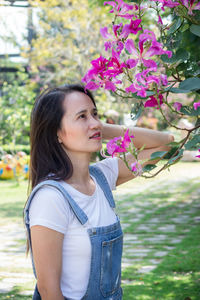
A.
x: 177, y: 276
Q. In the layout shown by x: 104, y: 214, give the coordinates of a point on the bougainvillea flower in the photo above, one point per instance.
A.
x: 191, y: 5
x: 198, y: 155
x: 177, y: 105
x: 167, y: 3
x: 153, y: 102
x: 114, y: 146
x: 121, y: 9
x: 196, y: 105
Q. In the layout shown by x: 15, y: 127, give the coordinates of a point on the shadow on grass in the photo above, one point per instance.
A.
x: 177, y: 277
x: 11, y: 210
x: 15, y: 295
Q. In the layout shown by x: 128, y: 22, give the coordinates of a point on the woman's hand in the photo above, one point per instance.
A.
x: 47, y: 254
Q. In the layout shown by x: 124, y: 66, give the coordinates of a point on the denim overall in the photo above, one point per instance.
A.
x: 106, y: 241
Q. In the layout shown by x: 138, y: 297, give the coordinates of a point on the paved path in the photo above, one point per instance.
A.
x: 151, y: 231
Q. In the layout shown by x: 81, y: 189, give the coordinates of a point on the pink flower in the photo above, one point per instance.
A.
x: 160, y: 20
x: 191, y: 5
x: 167, y: 3
x: 136, y: 88
x: 114, y: 146
x: 177, y: 105
x: 100, y: 76
x: 153, y: 102
x: 132, y: 27
x: 121, y: 9
x: 114, y: 40
x: 114, y: 66
x: 198, y: 155
x: 136, y: 168
x: 119, y: 144
x: 127, y: 139
x: 196, y: 105
x: 147, y: 47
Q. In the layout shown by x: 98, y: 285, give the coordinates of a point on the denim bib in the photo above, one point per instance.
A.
x: 106, y: 243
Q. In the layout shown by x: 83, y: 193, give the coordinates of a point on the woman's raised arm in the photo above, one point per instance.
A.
x: 143, y: 136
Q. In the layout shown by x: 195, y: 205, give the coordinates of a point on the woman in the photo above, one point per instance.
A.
x: 75, y: 236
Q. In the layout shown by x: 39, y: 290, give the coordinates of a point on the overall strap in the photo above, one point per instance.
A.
x: 79, y: 213
x: 103, y: 183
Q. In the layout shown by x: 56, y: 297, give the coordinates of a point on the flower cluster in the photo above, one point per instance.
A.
x: 120, y: 145
x: 135, y: 63
x: 189, y: 4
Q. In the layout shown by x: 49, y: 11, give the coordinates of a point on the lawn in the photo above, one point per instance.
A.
x: 160, y: 218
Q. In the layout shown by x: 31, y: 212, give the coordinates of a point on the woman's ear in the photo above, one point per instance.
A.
x: 59, y: 138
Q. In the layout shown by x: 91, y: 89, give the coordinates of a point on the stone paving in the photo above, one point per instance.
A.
x: 149, y: 236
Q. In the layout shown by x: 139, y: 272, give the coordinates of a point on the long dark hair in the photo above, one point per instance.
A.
x: 47, y: 157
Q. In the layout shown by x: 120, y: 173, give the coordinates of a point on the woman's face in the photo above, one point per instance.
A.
x: 81, y: 129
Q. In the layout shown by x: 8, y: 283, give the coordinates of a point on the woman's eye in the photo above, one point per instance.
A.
x: 82, y: 116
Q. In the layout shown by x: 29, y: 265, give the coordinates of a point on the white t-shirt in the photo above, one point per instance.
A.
x: 50, y: 209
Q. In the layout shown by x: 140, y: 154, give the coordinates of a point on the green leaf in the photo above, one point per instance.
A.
x: 185, y: 27
x: 190, y: 111
x: 175, y: 26
x: 158, y: 154
x: 178, y: 91
x: 194, y: 143
x: 148, y: 168
x: 195, y: 29
x: 180, y: 56
x: 191, y: 84
x: 136, y: 111
x: 177, y: 157
x: 149, y: 93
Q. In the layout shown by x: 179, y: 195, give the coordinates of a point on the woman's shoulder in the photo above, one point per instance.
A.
x: 109, y: 167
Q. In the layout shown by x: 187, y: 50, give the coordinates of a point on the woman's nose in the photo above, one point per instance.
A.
x: 95, y: 123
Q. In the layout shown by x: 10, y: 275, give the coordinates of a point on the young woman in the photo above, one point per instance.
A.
x: 75, y: 236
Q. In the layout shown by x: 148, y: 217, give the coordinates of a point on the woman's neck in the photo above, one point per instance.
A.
x: 80, y: 164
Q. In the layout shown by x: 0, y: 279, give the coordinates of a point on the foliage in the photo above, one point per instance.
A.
x: 66, y: 38
x: 146, y: 65
x: 14, y: 114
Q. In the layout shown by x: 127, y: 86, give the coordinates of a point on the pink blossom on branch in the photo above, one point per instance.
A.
x: 160, y: 20
x: 119, y: 144
x: 167, y: 3
x: 198, y: 155
x: 144, y: 81
x: 153, y: 102
x: 120, y: 32
x: 177, y: 105
x: 196, y: 105
x: 136, y: 168
x: 121, y: 9
x: 191, y: 5
x: 114, y: 146
x: 147, y: 47
x: 113, y: 40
